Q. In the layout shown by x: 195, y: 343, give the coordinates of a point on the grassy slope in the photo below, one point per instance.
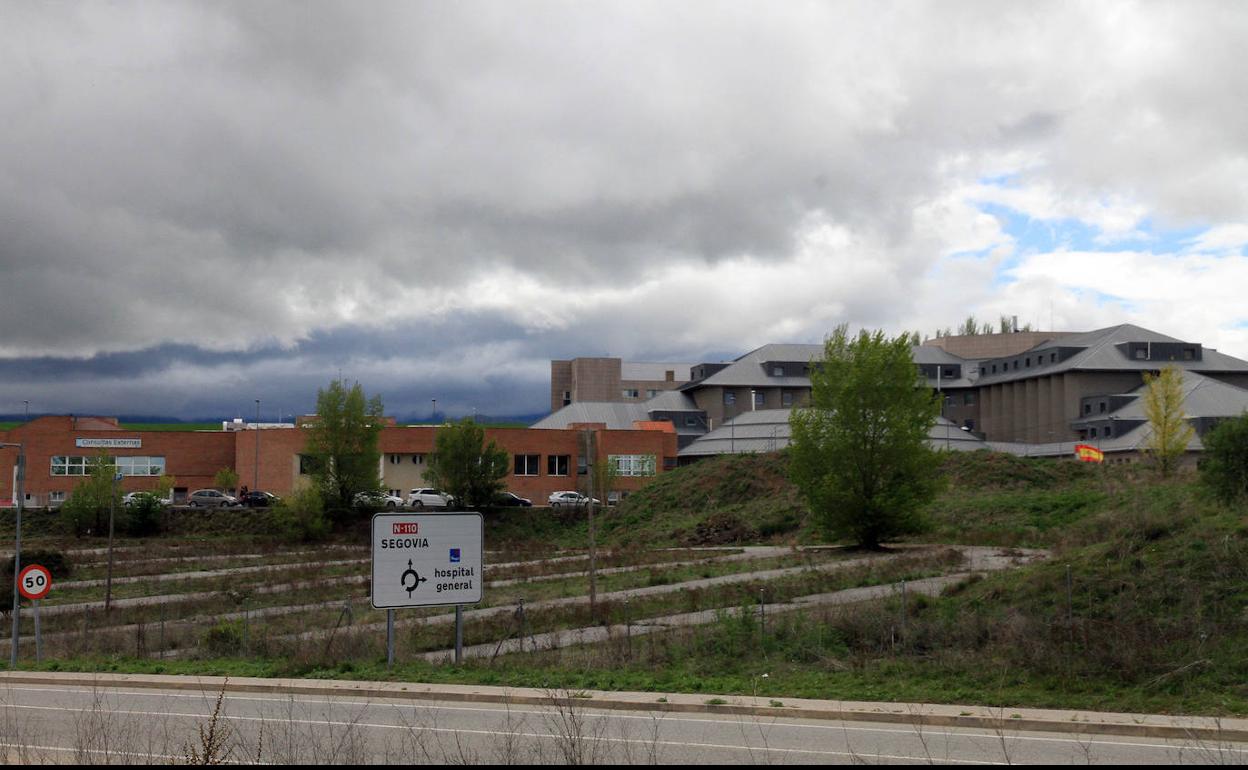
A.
x: 1157, y: 617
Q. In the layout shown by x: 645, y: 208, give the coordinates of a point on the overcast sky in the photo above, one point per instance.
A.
x: 202, y: 204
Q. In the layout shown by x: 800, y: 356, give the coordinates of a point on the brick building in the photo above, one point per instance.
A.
x: 58, y: 449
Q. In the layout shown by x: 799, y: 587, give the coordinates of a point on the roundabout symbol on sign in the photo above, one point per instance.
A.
x: 416, y: 579
x: 34, y: 582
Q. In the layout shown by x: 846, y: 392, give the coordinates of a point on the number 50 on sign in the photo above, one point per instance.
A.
x: 34, y: 582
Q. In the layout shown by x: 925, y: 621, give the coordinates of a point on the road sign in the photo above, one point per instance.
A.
x: 427, y: 559
x: 34, y: 582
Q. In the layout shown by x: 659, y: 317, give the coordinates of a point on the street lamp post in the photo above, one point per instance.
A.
x: 19, y: 477
x: 255, y: 483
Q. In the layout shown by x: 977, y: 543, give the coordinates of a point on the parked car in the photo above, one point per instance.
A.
x: 259, y: 499
x: 210, y: 498
x: 512, y: 500
x: 570, y: 499
x: 131, y: 498
x: 429, y: 498
x: 378, y: 500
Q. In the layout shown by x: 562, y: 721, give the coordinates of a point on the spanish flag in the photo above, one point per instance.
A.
x: 1089, y: 454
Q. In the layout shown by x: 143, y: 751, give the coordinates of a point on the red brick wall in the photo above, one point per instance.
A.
x: 194, y: 457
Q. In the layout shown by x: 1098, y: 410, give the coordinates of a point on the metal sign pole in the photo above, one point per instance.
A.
x: 389, y: 638
x: 108, y: 583
x: 38, y: 635
x: 459, y: 634
x: 17, y: 551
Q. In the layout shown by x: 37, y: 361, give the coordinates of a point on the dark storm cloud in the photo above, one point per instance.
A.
x: 253, y: 190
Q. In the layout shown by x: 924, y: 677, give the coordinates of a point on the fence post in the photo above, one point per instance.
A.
x: 628, y: 628
x: 520, y: 616
x: 903, y: 612
x: 762, y: 615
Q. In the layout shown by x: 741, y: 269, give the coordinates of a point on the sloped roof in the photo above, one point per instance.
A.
x: 1202, y: 397
x: 747, y: 370
x: 616, y: 415
x: 767, y: 430
x: 621, y: 415
x: 1100, y: 353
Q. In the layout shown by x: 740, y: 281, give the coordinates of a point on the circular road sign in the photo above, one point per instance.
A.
x: 34, y: 582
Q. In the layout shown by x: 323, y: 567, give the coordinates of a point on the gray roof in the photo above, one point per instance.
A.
x: 616, y: 415
x: 767, y: 430
x: 747, y: 371
x: 1099, y: 353
x: 671, y: 401
x: 621, y: 415
x: 1202, y: 397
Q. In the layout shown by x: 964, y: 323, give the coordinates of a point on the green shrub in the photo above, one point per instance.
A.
x: 142, y: 517
x: 1224, y: 469
x: 225, y: 638
x: 301, y: 516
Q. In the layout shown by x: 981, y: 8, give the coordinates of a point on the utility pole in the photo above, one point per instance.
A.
x: 255, y: 484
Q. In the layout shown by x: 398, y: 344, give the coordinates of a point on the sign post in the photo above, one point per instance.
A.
x: 427, y: 560
x: 19, y: 475
x: 34, y: 584
x: 112, y: 504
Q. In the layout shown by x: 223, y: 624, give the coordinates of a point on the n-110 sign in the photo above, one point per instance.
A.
x: 424, y: 560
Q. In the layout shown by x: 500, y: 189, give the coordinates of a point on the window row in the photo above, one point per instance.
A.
x: 632, y: 465
x: 530, y: 465
x: 79, y: 465
x: 417, y: 459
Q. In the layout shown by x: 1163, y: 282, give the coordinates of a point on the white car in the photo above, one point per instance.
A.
x: 570, y: 499
x: 429, y: 498
x: 130, y: 498
x: 379, y: 500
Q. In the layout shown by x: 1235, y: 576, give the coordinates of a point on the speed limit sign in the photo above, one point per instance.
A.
x: 34, y: 582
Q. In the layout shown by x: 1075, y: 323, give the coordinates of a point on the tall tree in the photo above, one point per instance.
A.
x: 88, y: 505
x: 969, y: 327
x: 343, y: 443
x: 1163, y: 406
x: 859, y: 454
x: 465, y: 466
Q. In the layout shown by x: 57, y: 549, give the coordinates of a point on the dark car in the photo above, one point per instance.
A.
x: 512, y: 500
x: 258, y: 499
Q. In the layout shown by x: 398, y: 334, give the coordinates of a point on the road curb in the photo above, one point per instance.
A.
x: 1202, y: 729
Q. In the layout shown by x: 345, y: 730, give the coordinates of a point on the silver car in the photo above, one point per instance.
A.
x: 210, y: 498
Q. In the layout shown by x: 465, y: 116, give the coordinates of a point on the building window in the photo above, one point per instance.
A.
x: 1053, y: 358
x: 994, y: 368
x: 632, y: 465
x: 396, y: 459
x: 1102, y: 405
x: 127, y: 466
x: 307, y: 465
x: 1087, y: 409
x: 582, y: 465
x: 949, y: 374
x: 1027, y: 362
x: 691, y: 422
x: 786, y: 398
x: 1016, y: 363
x: 1141, y: 354
x: 968, y: 399
x: 777, y: 371
x: 418, y: 459
x: 760, y: 398
x: 630, y: 393
x: 567, y: 397
x: 56, y: 497
x: 1109, y: 431
x: 1189, y: 354
x: 557, y: 465
x: 652, y: 392
x: 1092, y: 432
x: 730, y: 398
x: 527, y: 465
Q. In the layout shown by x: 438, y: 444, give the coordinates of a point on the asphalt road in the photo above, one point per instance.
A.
x: 44, y: 723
